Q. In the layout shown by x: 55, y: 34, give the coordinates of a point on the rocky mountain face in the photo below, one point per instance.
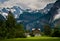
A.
x: 1, y: 17
x: 54, y: 11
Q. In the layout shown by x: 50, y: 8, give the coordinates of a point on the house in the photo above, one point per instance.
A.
x: 36, y: 32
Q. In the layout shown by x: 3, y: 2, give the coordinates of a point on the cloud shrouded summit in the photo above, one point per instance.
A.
x: 33, y: 4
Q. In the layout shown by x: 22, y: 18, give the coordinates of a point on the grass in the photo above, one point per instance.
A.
x: 34, y: 39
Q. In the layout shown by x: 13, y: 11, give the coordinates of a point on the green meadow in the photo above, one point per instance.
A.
x: 34, y: 39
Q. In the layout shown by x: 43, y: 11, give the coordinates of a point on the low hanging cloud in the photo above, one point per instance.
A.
x: 33, y: 4
x: 58, y: 15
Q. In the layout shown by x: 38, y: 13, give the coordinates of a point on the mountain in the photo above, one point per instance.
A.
x: 4, y: 10
x: 34, y: 19
x: 42, y: 19
x: 54, y: 11
x: 1, y: 17
x: 30, y: 19
x: 15, y: 10
x: 47, y: 8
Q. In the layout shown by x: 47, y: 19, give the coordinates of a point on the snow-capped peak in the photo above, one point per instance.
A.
x: 11, y: 9
x: 4, y: 15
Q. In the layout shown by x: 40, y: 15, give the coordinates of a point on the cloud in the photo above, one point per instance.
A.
x: 58, y: 15
x: 2, y: 1
x: 33, y: 4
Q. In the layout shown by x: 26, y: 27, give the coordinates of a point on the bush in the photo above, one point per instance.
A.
x: 20, y: 35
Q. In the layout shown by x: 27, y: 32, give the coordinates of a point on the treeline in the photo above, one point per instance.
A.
x: 10, y: 29
x: 48, y: 31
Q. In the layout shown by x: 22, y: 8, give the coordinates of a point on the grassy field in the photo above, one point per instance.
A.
x: 34, y: 39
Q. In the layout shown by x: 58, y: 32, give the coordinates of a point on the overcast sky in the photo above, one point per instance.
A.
x: 33, y: 4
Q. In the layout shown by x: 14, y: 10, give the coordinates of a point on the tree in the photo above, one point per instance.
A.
x: 10, y: 28
x: 47, y: 30
x: 14, y: 29
x: 2, y: 29
x: 20, y: 31
x: 56, y: 32
x: 10, y: 25
x: 11, y: 22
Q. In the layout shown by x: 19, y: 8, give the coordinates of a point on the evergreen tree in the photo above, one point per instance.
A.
x: 14, y: 29
x: 11, y: 22
x: 10, y: 25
